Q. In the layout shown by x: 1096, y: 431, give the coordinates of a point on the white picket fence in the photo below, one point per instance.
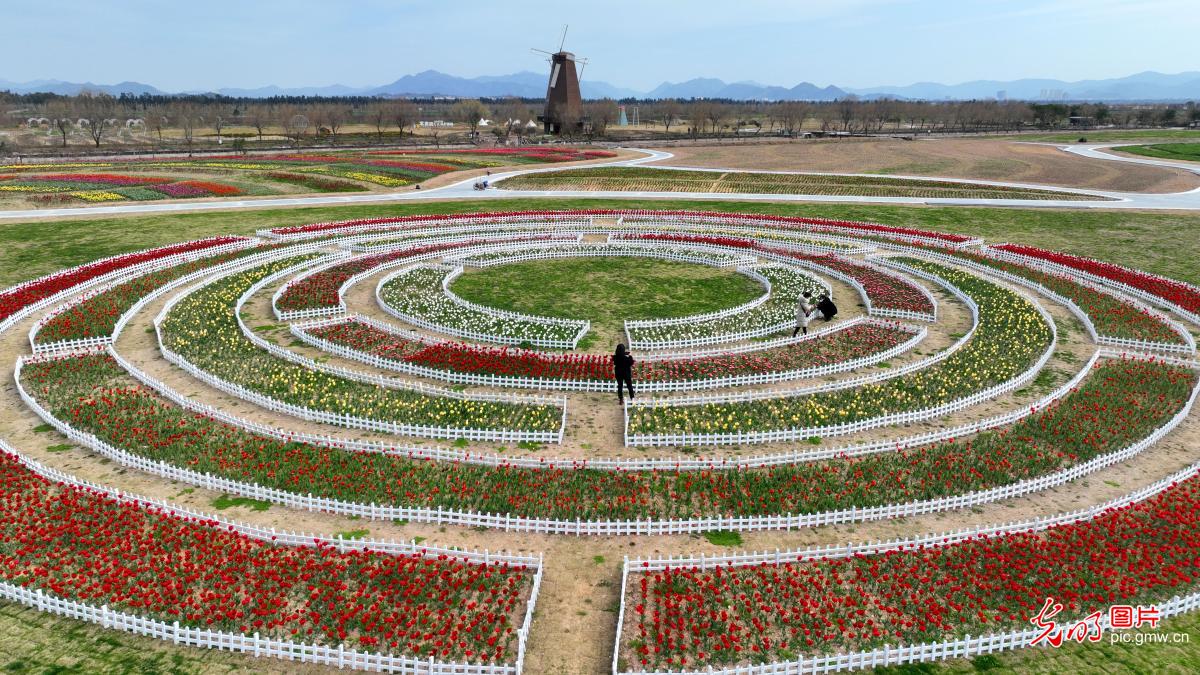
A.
x: 301, y: 332
x: 130, y: 271
x: 953, y: 648
x: 845, y: 228
x: 580, y: 327
x: 340, y: 307
x: 794, y: 434
x: 678, y: 463
x: 1188, y: 345
x: 781, y: 238
x: 347, y: 419
x: 579, y: 526
x: 700, y: 254
x: 1045, y: 265
x: 401, y: 226
x: 967, y: 646
x: 338, y: 655
x: 643, y: 343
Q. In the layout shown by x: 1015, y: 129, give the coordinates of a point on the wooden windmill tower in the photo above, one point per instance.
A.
x: 564, y: 106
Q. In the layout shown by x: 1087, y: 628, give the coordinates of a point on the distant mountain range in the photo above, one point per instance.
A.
x: 1147, y: 86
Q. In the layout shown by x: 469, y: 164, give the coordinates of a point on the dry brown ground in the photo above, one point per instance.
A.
x: 981, y: 159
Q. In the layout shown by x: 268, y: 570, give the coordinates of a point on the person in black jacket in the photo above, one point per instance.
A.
x: 826, y: 307
x: 623, y: 371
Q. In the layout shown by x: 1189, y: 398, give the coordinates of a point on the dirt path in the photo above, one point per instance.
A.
x: 981, y: 159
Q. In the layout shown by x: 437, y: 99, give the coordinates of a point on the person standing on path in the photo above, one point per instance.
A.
x: 623, y: 371
x: 804, y: 313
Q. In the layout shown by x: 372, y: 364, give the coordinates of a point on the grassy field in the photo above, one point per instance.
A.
x: 638, y: 179
x: 1184, y: 151
x: 1109, y: 135
x: 1162, y: 242
x: 619, y: 289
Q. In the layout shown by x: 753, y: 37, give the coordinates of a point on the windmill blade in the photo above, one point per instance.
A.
x: 582, y: 68
x: 541, y: 51
x: 564, y: 38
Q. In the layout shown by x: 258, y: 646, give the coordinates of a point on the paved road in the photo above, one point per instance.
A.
x: 1189, y: 201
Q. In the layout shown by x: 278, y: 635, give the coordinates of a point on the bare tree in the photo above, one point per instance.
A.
x: 258, y: 116
x: 403, y: 114
x: 378, y: 116
x: 670, y: 110
x: 791, y: 116
x: 470, y: 111
x: 62, y: 117
x: 97, y: 109
x: 296, y: 126
x: 156, y: 121
x: 334, y: 116
x: 714, y: 114
x: 601, y: 114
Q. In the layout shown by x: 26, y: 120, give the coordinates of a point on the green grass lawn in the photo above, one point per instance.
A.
x: 1162, y: 242
x: 1109, y: 135
x: 641, y: 179
x: 616, y: 289
x: 1185, y: 151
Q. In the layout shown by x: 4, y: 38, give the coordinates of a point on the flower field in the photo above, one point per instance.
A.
x: 82, y: 545
x: 455, y: 443
x: 886, y: 291
x: 1010, y: 337
x: 660, y: 217
x: 836, y: 346
x: 93, y: 394
x: 92, y: 181
x: 1111, y: 315
x: 778, y: 313
x: 18, y: 297
x: 417, y: 295
x: 98, y: 315
x: 686, y: 618
x: 204, y: 330
x: 1176, y: 293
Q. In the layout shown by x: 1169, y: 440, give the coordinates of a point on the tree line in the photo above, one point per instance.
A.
x: 174, y: 121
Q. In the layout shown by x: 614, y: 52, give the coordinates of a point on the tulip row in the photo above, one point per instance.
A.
x: 1111, y: 316
x: 779, y: 311
x: 886, y: 291
x: 687, y: 618
x: 113, y: 187
x: 701, y: 256
x: 1009, y: 339
x: 1171, y: 291
x: 98, y: 315
x: 854, y: 342
x: 321, y: 289
x: 664, y: 217
x: 203, y: 329
x: 1117, y: 404
x: 17, y: 298
x: 417, y: 295
x: 285, y: 168
x: 85, y: 546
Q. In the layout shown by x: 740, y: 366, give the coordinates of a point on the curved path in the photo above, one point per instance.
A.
x: 464, y: 189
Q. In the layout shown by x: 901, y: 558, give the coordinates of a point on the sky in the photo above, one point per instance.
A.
x: 182, y: 46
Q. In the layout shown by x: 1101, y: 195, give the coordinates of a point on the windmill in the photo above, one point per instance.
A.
x: 563, y: 102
